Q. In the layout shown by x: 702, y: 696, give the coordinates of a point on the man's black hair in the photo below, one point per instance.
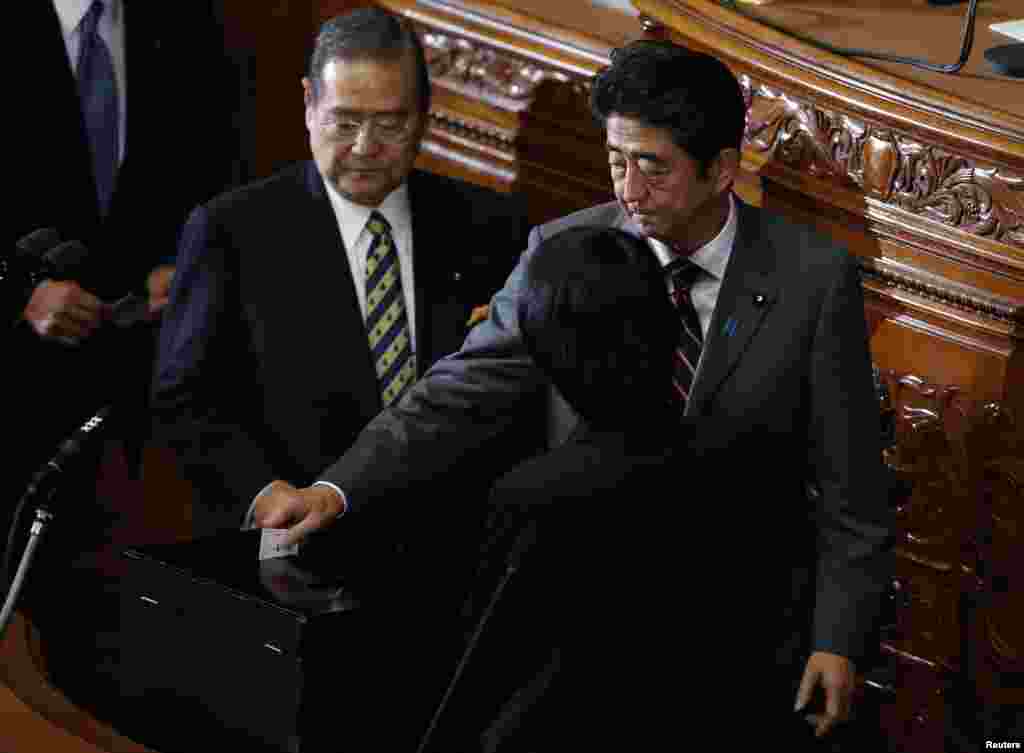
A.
x: 691, y: 95
x: 369, y: 34
x: 596, y: 317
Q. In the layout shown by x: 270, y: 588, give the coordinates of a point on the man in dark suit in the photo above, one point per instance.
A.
x: 124, y: 123
x: 777, y: 339
x: 604, y: 598
x: 70, y: 358
x: 268, y: 366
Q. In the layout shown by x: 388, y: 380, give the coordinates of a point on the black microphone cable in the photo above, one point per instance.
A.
x: 966, y: 42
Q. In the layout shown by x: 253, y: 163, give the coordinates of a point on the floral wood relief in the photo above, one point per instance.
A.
x: 460, y: 60
x: 965, y: 460
x: 888, y: 166
x: 1000, y: 442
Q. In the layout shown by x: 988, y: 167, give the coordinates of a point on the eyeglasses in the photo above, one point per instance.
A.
x: 385, y: 129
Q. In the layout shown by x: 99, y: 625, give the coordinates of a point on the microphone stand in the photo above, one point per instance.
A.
x: 45, y: 485
x: 526, y: 538
x: 43, y: 517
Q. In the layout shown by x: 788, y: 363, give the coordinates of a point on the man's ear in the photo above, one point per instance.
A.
x: 309, y: 100
x: 724, y: 169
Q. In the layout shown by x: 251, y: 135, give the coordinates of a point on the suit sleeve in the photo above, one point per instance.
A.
x: 459, y: 415
x: 202, y: 405
x: 854, y: 523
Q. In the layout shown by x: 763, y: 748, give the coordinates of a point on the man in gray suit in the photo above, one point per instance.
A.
x: 778, y: 340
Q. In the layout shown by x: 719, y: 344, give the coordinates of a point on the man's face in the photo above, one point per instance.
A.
x: 658, y: 184
x: 365, y: 127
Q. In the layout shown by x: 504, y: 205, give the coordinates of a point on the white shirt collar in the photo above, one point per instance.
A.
x: 71, y: 12
x: 713, y: 256
x: 352, y: 217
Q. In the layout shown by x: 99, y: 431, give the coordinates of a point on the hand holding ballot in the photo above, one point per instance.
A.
x: 302, y: 511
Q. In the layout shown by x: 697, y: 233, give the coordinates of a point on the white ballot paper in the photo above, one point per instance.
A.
x: 272, y: 544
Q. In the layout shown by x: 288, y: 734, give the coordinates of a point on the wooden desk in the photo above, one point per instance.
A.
x: 35, y: 716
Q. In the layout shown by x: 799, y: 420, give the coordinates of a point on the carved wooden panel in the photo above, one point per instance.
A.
x: 510, y: 104
x: 996, y: 619
x: 895, y: 168
x: 915, y: 713
x: 955, y: 606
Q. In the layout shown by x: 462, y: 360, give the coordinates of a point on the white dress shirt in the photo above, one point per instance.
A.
x: 111, y: 31
x: 352, y: 220
x: 712, y: 258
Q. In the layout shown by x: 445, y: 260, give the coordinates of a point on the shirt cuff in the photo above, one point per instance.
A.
x: 344, y: 500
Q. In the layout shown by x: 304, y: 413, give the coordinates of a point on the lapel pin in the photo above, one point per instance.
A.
x: 759, y: 299
x: 730, y: 327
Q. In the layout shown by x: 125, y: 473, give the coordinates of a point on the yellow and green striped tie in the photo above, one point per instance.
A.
x: 387, y: 323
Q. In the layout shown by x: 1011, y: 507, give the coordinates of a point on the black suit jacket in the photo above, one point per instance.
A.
x: 622, y: 617
x: 178, y: 151
x: 179, y: 140
x: 264, y: 370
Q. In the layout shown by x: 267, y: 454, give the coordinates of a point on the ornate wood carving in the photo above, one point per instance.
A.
x: 955, y: 596
x: 935, y: 288
x: 510, y: 107
x: 462, y: 63
x: 892, y: 167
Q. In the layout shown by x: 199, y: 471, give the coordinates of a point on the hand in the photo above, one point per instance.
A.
x: 477, y: 315
x: 304, y: 510
x: 64, y: 311
x: 158, y: 284
x: 837, y: 676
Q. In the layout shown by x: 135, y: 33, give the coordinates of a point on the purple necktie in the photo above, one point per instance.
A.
x: 97, y: 89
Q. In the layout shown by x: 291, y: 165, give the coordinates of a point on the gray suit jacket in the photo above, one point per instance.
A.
x: 787, y: 352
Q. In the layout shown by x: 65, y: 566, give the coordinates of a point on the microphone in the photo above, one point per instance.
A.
x: 66, y: 261
x: 38, y: 256
x: 38, y: 242
x: 24, y: 267
x: 47, y: 478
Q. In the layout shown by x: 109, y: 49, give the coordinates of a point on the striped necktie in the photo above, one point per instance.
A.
x: 683, y: 274
x: 97, y: 90
x: 387, y: 323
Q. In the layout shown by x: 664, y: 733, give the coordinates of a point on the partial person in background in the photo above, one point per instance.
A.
x: 122, y: 120
x: 126, y: 125
x: 773, y: 336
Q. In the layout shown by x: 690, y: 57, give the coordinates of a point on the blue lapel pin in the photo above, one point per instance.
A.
x: 730, y: 327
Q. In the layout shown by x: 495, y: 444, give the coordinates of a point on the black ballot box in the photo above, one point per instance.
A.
x: 323, y: 651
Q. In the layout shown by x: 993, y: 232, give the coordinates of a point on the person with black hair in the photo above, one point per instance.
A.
x: 772, y: 335
x: 596, y: 320
x: 593, y: 641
